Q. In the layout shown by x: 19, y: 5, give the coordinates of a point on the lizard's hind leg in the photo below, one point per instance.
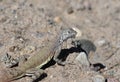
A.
x: 34, y: 73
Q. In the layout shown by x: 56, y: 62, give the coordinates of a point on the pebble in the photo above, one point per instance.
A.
x: 99, y: 78
x: 38, y: 35
x: 81, y: 5
x: 3, y: 19
x: 87, y: 5
x: 1, y: 45
x: 2, y: 8
x: 102, y: 42
x: 70, y: 10
x: 13, y: 48
x: 83, y: 59
x: 57, y: 19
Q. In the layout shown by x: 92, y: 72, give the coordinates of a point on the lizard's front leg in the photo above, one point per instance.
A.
x: 34, y: 73
x: 58, y: 58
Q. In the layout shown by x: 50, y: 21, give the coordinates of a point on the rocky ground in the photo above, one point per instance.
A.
x: 27, y: 25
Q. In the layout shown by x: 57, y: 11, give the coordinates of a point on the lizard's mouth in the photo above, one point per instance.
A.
x: 74, y: 35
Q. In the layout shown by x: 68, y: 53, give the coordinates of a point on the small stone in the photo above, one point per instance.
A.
x: 51, y: 76
x: 80, y: 7
x: 15, y: 7
x: 13, y: 48
x: 39, y: 34
x: 87, y: 5
x: 83, y: 60
x: 50, y: 22
x: 57, y: 19
x: 70, y: 10
x: 102, y: 42
x: 2, y: 7
x: 1, y: 45
x: 3, y: 19
x: 99, y: 78
x: 31, y: 5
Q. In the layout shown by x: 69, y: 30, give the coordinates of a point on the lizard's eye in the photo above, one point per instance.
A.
x: 68, y: 32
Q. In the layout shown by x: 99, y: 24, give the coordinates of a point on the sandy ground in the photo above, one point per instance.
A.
x: 27, y: 25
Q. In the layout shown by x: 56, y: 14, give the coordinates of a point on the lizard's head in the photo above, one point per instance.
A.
x: 68, y: 33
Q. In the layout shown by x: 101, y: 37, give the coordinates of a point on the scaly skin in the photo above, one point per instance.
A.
x: 40, y: 58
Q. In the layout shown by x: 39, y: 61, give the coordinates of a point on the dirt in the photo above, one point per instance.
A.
x: 27, y: 25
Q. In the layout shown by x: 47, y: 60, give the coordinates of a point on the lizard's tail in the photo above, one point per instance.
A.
x: 7, y: 75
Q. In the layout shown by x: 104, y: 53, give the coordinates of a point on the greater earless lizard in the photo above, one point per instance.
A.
x: 40, y: 58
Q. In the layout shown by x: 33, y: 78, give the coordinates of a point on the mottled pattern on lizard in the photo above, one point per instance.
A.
x: 40, y: 58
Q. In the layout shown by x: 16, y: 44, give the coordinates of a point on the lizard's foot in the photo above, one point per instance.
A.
x: 34, y: 73
x: 58, y: 58
x: 59, y: 61
x: 9, y: 61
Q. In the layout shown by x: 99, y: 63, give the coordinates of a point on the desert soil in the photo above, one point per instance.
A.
x: 27, y: 25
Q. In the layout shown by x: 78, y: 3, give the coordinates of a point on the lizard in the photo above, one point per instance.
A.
x: 39, y: 59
